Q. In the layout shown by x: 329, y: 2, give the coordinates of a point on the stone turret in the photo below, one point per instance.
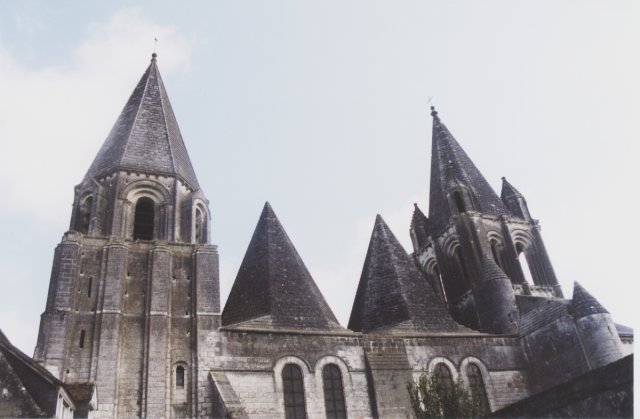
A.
x: 598, y: 332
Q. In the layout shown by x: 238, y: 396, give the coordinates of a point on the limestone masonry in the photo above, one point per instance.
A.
x: 133, y: 325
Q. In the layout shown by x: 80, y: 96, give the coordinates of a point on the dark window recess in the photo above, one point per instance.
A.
x: 180, y: 376
x: 85, y: 215
x: 89, y: 288
x: 293, y: 389
x: 444, y: 387
x: 333, y: 392
x: 81, y: 339
x: 476, y: 387
x: 457, y: 199
x: 143, y: 219
x: 200, y: 230
x: 495, y: 252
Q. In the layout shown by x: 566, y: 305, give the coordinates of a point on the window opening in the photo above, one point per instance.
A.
x: 143, y: 219
x: 333, y: 392
x: 524, y: 264
x: 85, y: 214
x: 457, y: 199
x: 89, y: 287
x: 495, y: 252
x: 476, y: 387
x: 81, y: 345
x: 200, y: 235
x: 444, y: 387
x: 293, y: 388
x: 180, y: 376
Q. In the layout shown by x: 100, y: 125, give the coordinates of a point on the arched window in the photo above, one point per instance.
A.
x: 476, y: 386
x: 495, y: 251
x: 179, y: 376
x: 293, y: 388
x: 143, y: 219
x: 85, y: 215
x: 333, y: 392
x: 444, y: 386
x: 200, y: 227
x: 524, y: 263
x: 458, y: 201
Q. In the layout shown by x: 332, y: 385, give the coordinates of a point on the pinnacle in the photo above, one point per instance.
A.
x: 584, y: 303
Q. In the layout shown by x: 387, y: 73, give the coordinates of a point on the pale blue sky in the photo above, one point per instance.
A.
x: 321, y: 108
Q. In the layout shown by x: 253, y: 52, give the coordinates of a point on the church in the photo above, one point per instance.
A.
x: 133, y: 325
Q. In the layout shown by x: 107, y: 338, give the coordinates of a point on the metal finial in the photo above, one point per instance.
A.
x: 155, y: 48
x: 434, y: 113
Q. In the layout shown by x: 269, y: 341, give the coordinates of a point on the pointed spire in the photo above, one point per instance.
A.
x: 585, y: 304
x: 274, y: 283
x: 509, y: 191
x: 514, y: 200
x: 419, y: 226
x: 449, y: 163
x: 146, y: 137
x: 393, y: 292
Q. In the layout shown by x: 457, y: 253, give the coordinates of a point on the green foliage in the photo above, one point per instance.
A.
x: 430, y: 400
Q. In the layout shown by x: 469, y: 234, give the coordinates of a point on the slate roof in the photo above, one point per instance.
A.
x: 420, y: 225
x: 510, y: 196
x: 584, y: 303
x: 508, y: 190
x: 544, y: 314
x: 146, y: 136
x: 449, y: 162
x: 273, y: 287
x: 393, y: 292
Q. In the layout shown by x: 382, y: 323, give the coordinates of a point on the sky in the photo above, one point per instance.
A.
x: 321, y: 108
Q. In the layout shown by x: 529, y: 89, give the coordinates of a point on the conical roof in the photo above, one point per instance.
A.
x: 273, y: 287
x: 449, y: 162
x: 146, y: 137
x: 392, y: 292
x: 585, y: 304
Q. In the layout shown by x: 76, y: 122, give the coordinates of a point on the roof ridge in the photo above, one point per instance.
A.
x: 135, y: 118
x: 164, y: 117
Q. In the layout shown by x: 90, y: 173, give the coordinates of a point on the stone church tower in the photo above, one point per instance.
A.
x: 135, y: 281
x: 475, y: 248
x: 133, y: 327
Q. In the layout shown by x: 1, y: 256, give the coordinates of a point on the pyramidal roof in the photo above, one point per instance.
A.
x: 420, y: 225
x: 273, y: 288
x: 508, y: 190
x: 393, y: 293
x: 146, y: 136
x: 584, y: 303
x: 450, y: 163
